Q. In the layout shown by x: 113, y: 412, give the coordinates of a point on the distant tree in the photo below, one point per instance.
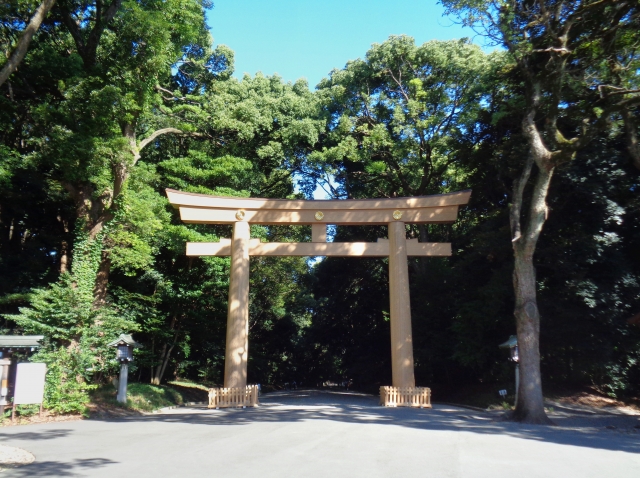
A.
x: 397, y: 117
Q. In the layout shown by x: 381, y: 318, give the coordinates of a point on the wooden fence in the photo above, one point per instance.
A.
x: 405, y: 397
x: 233, y: 397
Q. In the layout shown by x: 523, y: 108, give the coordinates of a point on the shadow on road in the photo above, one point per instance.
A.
x: 58, y: 468
x: 603, y: 431
x: 39, y: 435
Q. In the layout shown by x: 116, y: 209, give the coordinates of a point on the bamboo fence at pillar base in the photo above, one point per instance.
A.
x: 233, y: 397
x: 405, y: 397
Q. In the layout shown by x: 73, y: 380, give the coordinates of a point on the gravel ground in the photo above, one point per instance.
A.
x: 12, y: 457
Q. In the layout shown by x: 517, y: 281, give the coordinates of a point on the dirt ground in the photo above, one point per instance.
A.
x: 96, y: 410
x: 596, y: 400
x: 46, y: 417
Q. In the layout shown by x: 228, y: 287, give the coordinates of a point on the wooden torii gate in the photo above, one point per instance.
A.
x: 394, y: 213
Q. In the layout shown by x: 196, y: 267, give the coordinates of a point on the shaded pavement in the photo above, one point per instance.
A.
x: 316, y: 434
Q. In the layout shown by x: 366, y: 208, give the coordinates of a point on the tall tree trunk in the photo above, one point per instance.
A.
x: 525, y: 231
x: 530, y: 406
x: 94, y: 214
x: 23, y: 43
x: 153, y: 351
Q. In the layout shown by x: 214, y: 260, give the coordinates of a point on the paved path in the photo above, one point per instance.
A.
x: 321, y: 434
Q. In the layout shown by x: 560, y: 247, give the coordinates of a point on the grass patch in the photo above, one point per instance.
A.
x: 141, y: 397
x: 146, y: 398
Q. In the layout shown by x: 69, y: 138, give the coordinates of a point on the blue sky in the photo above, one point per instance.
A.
x: 308, y: 38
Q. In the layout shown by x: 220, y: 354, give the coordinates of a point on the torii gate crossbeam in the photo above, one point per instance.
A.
x: 394, y: 213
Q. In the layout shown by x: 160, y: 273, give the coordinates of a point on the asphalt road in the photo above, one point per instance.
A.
x: 321, y: 434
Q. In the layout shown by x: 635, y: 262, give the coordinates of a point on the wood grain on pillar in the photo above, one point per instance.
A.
x: 235, y: 363
x: 320, y: 248
x: 318, y: 233
x: 400, y: 308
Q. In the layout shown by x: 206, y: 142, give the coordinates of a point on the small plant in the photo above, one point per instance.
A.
x: 66, y: 390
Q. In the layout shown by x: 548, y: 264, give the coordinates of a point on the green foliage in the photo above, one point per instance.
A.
x: 399, y: 116
x: 8, y: 162
x: 138, y: 229
x: 66, y: 387
x: 77, y: 333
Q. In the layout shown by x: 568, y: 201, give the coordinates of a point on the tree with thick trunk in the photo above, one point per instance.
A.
x: 576, y: 56
x: 130, y: 103
x: 97, y: 211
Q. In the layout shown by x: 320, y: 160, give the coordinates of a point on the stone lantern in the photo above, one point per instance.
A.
x: 512, y: 345
x: 124, y: 352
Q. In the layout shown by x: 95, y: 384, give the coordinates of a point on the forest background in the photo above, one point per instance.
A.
x: 112, y: 102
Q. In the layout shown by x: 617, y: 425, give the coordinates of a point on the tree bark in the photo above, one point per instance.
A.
x: 25, y: 39
x: 530, y: 406
x: 165, y: 363
x: 156, y: 377
x: 102, y: 280
x: 97, y: 212
x: 64, y: 257
x: 64, y: 247
x: 633, y: 146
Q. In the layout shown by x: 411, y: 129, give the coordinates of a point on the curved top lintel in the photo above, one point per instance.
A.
x: 180, y: 198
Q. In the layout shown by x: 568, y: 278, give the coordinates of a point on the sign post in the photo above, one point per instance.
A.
x: 29, y: 385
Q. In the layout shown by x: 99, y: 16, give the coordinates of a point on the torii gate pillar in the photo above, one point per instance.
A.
x: 400, y: 308
x: 237, y: 351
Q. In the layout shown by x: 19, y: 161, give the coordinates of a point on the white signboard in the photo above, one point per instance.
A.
x: 29, y: 383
